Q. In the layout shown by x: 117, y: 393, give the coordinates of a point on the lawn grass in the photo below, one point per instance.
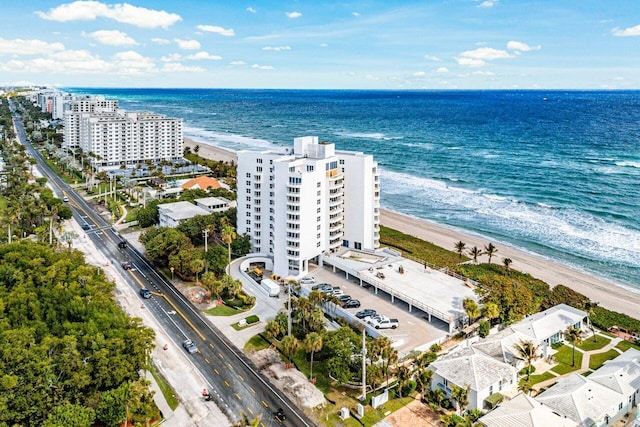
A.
x: 256, y: 343
x: 593, y: 343
x: 255, y: 321
x: 132, y: 213
x: 166, y: 389
x: 598, y: 359
x: 373, y: 416
x: 535, y: 379
x: 563, y: 358
x: 323, y: 382
x: 222, y: 310
x: 626, y: 345
x: 411, y: 246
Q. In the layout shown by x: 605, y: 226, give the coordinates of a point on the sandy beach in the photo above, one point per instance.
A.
x: 607, y: 294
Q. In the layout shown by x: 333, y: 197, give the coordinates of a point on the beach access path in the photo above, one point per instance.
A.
x: 605, y: 293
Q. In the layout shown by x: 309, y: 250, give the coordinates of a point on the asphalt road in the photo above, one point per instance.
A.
x: 233, y: 382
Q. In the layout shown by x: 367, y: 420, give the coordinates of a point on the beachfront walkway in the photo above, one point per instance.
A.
x: 584, y: 367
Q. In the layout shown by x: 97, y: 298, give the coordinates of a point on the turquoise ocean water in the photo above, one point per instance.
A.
x: 552, y: 172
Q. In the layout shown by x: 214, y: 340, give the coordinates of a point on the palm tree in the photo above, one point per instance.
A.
x: 507, y: 264
x: 196, y: 149
x: 574, y: 336
x: 475, y: 252
x: 289, y: 346
x: 197, y: 265
x: 403, y: 377
x: 272, y: 329
x: 525, y: 387
x: 228, y: 235
x: 460, y: 247
x: 423, y: 379
x: 491, y: 311
x: 461, y: 396
x: 471, y: 308
x: 529, y: 352
x: 490, y: 250
x: 312, y: 343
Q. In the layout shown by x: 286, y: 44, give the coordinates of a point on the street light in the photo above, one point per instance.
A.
x: 172, y: 268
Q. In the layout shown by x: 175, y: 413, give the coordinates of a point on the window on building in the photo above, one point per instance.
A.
x: 318, y: 236
x: 319, y: 210
x: 318, y: 227
x: 342, y: 161
x: 357, y: 245
x: 318, y: 219
x: 318, y: 244
x: 248, y: 222
x: 248, y: 174
x: 318, y: 184
x: 310, y: 168
x: 319, y: 193
x: 259, y: 169
x: 258, y: 160
x: 248, y: 191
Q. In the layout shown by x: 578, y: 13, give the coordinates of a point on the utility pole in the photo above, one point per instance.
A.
x: 289, y: 311
x: 206, y: 234
x: 364, y: 365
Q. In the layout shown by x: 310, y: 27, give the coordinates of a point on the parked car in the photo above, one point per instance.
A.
x: 352, y: 303
x: 386, y: 324
x: 307, y: 280
x: 318, y: 286
x: 344, y: 298
x: 190, y: 346
x: 326, y: 290
x: 367, y: 312
x: 145, y: 293
x: 375, y: 319
x: 337, y: 292
x: 127, y: 265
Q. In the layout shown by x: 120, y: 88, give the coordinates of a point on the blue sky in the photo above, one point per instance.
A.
x: 369, y: 44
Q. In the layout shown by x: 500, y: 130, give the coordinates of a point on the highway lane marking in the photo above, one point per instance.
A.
x: 252, y: 390
x: 207, y: 360
x: 230, y: 365
x: 177, y: 310
x: 238, y: 396
x: 250, y: 410
x: 227, y: 383
x: 216, y: 371
x: 241, y: 378
x: 265, y: 404
x: 212, y: 346
x: 220, y: 355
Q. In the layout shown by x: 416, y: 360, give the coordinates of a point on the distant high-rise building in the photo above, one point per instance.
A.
x: 302, y: 203
x: 76, y: 107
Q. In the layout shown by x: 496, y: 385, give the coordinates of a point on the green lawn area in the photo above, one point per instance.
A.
x: 250, y: 321
x: 165, y: 387
x: 593, y: 344
x: 563, y: 358
x: 626, y: 345
x: 598, y: 359
x: 372, y: 416
x: 535, y: 379
x: 222, y: 310
x: 256, y: 343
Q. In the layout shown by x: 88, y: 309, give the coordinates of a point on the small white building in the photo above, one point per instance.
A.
x: 171, y: 214
x: 502, y: 346
x: 549, y: 326
x: 215, y: 204
x: 524, y: 411
x: 468, y: 367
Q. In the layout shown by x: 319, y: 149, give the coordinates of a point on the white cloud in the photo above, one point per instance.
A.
x: 172, y: 57
x: 187, y: 44
x: 293, y: 15
x: 262, y: 67
x: 626, y: 32
x: 469, y: 62
x: 160, y: 41
x: 176, y: 67
x: 121, y: 12
x: 432, y: 58
x: 251, y: 10
x: 483, y: 73
x: 237, y: 63
x: 442, y: 70
x: 277, y: 48
x: 323, y: 45
x: 204, y: 55
x: 228, y: 32
x: 488, y: 3
x: 522, y: 47
x: 27, y: 47
x: 356, y: 13
x: 112, y: 38
x: 131, y: 62
x: 419, y: 74
x: 486, y: 54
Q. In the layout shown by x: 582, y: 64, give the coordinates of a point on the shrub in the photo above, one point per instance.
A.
x: 252, y: 319
x: 523, y: 371
x: 435, y: 348
x: 484, y: 328
x: 409, y: 388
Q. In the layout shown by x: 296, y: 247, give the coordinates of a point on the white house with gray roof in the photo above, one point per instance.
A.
x: 548, y: 326
x: 524, y: 411
x: 171, y: 214
x: 483, y: 374
x: 502, y: 346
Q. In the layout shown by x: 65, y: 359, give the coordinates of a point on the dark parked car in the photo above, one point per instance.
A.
x: 145, y: 293
x: 344, y: 298
x: 319, y: 286
x: 127, y: 265
x: 366, y: 313
x: 352, y: 303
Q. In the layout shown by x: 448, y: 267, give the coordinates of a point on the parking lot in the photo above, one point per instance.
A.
x: 413, y: 332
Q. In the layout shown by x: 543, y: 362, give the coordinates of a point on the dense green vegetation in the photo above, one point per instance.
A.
x: 66, y: 347
x: 412, y: 247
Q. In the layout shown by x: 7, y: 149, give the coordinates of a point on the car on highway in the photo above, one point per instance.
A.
x: 122, y: 244
x: 65, y: 199
x: 145, y: 293
x: 279, y: 415
x: 86, y: 226
x: 352, y: 303
x: 307, y: 280
x: 366, y: 313
x: 190, y: 346
x: 127, y: 265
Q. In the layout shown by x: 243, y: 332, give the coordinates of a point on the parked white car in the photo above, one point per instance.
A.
x: 307, y: 280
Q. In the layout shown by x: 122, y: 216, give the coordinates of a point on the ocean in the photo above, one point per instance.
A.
x: 555, y: 173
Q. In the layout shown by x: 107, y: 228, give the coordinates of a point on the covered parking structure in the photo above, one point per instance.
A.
x: 435, y: 292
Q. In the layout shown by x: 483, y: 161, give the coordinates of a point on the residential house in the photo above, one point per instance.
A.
x: 524, y: 411
x: 502, y: 346
x: 548, y: 326
x: 171, y: 214
x: 215, y: 204
x: 469, y: 367
x: 202, y: 183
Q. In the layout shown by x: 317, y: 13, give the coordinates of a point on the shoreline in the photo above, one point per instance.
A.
x: 606, y: 293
